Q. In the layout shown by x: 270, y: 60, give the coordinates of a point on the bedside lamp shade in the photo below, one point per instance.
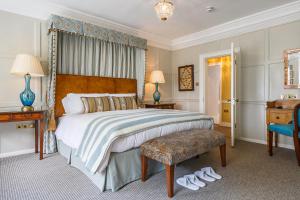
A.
x: 27, y: 64
x: 157, y: 76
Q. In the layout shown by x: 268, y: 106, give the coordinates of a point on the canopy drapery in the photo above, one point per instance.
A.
x: 81, y: 48
x: 74, y: 26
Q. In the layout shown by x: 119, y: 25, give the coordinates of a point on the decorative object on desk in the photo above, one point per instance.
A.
x: 288, y: 96
x: 27, y: 66
x: 186, y: 78
x: 291, y: 68
x: 157, y: 77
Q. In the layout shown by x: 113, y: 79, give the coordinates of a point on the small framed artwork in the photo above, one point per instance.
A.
x: 186, y: 78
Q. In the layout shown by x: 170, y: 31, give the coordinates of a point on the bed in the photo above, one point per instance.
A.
x: 105, y: 145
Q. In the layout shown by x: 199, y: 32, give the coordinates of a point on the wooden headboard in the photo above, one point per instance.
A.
x: 89, y: 84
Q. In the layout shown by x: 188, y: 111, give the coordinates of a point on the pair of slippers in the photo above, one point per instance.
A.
x: 193, y: 182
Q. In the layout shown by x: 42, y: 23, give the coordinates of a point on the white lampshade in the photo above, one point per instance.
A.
x: 157, y: 76
x: 27, y: 64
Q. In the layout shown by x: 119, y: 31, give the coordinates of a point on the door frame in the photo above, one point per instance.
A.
x: 203, y: 73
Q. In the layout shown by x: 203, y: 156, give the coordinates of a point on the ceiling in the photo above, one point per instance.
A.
x: 190, y: 16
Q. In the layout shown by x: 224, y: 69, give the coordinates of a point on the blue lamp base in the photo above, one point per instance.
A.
x: 27, y: 97
x: 156, y: 94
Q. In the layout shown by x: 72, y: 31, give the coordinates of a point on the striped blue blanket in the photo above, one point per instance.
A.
x: 94, y: 150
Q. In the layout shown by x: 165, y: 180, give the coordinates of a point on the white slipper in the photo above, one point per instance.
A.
x: 211, y: 172
x: 195, y: 180
x: 185, y: 182
x: 204, y: 176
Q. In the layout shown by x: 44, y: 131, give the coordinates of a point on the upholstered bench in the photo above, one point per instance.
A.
x: 175, y: 148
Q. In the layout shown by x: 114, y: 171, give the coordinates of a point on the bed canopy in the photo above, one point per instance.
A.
x: 80, y: 48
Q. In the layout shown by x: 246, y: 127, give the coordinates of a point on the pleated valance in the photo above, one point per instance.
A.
x: 75, y: 26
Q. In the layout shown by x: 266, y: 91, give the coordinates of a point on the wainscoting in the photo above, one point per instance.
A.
x: 261, y: 76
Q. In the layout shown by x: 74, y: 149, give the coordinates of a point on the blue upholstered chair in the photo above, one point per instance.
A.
x: 291, y: 130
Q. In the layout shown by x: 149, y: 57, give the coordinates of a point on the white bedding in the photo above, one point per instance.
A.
x: 71, y: 128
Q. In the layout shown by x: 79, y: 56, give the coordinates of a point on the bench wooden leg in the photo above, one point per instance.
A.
x: 144, y: 165
x: 223, y: 154
x: 170, y: 179
x: 270, y: 143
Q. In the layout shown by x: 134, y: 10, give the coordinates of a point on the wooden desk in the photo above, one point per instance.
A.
x: 280, y: 112
x: 36, y: 116
x: 161, y: 106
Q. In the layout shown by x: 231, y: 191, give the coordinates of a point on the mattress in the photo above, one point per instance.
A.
x: 71, y: 129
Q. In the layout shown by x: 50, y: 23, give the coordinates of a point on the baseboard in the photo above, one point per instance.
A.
x: 287, y: 146
x: 27, y: 151
x: 16, y: 153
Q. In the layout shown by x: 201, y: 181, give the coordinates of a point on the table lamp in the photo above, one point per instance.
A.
x: 157, y: 77
x: 27, y: 66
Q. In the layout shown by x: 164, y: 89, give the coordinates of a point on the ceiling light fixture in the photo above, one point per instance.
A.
x: 164, y: 9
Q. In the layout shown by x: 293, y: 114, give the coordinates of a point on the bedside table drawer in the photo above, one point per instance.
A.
x: 280, y: 118
x: 5, y: 117
x: 161, y: 106
x: 26, y: 116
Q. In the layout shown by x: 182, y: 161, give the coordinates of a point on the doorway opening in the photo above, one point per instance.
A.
x: 219, y: 89
x: 218, y: 92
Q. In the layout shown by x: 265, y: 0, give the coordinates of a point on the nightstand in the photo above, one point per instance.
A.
x: 37, y: 116
x: 161, y: 106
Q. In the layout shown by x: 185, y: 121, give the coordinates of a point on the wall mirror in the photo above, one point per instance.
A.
x: 292, y: 68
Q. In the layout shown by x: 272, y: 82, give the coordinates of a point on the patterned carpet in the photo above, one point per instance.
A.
x: 250, y: 174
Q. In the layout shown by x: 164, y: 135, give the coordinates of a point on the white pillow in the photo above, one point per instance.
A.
x: 74, y: 103
x: 65, y: 103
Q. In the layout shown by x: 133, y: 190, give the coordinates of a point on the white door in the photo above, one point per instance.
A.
x: 234, y: 92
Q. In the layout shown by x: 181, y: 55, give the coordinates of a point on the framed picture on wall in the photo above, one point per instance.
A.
x: 186, y: 78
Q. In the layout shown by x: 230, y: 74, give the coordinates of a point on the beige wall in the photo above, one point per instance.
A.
x: 261, y: 74
x: 159, y: 59
x: 19, y: 34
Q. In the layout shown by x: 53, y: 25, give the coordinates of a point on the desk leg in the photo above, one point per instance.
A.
x: 36, y: 135
x: 270, y: 143
x: 42, y: 127
x: 276, y: 139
